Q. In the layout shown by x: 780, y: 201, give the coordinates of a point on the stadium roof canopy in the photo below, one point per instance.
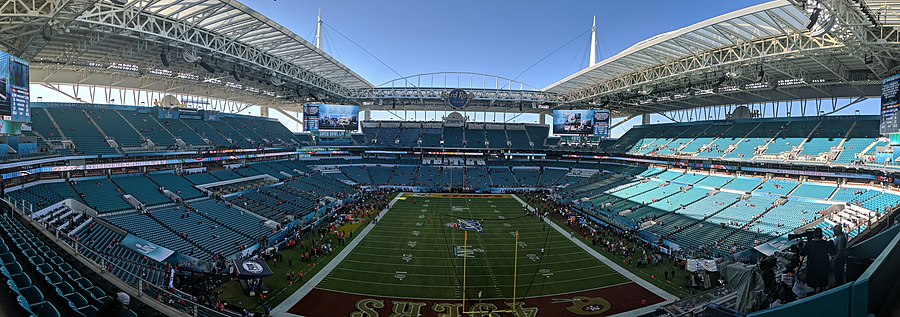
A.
x: 224, y: 50
x: 103, y: 43
x: 759, y: 54
x: 242, y: 24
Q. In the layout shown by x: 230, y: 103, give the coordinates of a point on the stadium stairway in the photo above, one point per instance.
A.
x: 187, y: 239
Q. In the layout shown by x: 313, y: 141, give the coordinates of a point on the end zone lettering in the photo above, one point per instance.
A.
x: 369, y: 307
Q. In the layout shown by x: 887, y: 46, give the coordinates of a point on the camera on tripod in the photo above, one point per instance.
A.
x: 808, y: 234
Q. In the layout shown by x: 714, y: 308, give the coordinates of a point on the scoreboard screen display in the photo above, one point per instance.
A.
x: 890, y: 123
x: 15, y: 100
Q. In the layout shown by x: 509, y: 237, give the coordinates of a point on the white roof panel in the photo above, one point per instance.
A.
x: 761, y: 21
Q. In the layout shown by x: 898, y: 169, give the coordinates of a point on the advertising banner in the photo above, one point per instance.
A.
x: 146, y: 248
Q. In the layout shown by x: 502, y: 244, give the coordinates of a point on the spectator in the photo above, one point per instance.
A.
x: 115, y: 306
x: 816, y: 252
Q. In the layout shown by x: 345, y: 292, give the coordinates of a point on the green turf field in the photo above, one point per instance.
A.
x: 405, y: 256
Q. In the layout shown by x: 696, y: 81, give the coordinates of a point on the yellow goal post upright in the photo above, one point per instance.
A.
x: 515, y: 278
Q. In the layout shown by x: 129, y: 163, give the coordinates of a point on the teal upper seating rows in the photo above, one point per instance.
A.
x: 143, y: 189
x: 90, y: 127
x: 412, y: 134
x: 819, y: 140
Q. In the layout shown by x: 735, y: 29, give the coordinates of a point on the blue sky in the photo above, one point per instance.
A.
x: 499, y: 37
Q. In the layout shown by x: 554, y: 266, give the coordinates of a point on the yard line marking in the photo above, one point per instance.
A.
x: 281, y: 309
x: 612, y: 264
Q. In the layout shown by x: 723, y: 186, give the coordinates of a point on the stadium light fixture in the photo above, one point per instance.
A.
x: 238, y: 78
x: 814, y: 18
x: 164, y: 58
x: 206, y: 66
x: 720, y: 81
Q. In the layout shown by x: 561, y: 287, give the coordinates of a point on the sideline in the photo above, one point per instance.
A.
x: 612, y: 264
x: 281, y: 309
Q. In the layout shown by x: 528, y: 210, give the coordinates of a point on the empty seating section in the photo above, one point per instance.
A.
x: 854, y: 195
x: 358, y: 174
x: 743, y: 184
x: 777, y: 187
x: 780, y: 145
x: 881, y: 203
x: 537, y: 135
x: 75, y: 125
x: 149, y: 127
x: 853, y: 147
x: 668, y: 175
x: 409, y: 137
x: 817, y: 146
x: 518, y: 138
x: 183, y: 131
x: 116, y: 127
x: 787, y: 217
x: 812, y: 190
x: 40, y: 123
x: 670, y: 204
x: 208, y: 132
x: 233, y: 218
x: 201, y: 178
x: 201, y: 230
x: 431, y: 137
x: 43, y: 195
x: 388, y: 136
x: 33, y: 273
x: 551, y: 176
x: 404, y: 175
x: 475, y: 138
x: 128, y: 265
x: 453, y: 137
x: 150, y: 230
x: 102, y: 195
x: 496, y: 139
x: 502, y: 177
x: 690, y: 178
x: 379, y: 174
x: 176, y: 184
x: 130, y: 126
x: 234, y: 134
x: 714, y: 181
x: 143, y: 189
x: 225, y: 175
x: 453, y: 177
x: 477, y: 178
x: 527, y: 176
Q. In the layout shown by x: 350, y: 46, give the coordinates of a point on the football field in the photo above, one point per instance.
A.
x: 418, y: 251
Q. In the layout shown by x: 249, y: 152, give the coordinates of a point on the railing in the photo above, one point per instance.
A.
x: 177, y: 300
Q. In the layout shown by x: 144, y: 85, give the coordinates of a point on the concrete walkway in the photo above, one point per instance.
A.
x: 281, y: 309
x: 615, y: 266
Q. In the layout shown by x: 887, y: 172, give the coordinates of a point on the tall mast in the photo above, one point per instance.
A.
x: 594, y: 43
x: 319, y: 31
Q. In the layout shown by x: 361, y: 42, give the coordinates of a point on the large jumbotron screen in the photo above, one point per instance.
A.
x: 14, y: 89
x: 330, y: 117
x: 890, y: 102
x: 573, y: 122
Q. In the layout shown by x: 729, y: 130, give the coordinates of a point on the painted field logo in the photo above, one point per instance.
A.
x: 582, y: 305
x: 470, y: 225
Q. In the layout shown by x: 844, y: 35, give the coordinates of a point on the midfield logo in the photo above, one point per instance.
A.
x: 470, y: 225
